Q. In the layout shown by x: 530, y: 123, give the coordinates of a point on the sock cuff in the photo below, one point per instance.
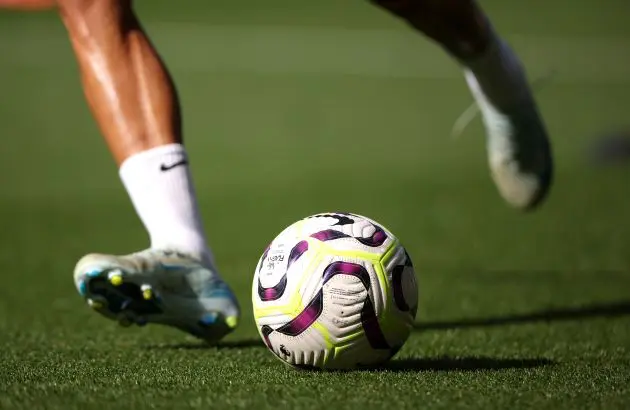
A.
x: 160, y: 186
x: 171, y: 152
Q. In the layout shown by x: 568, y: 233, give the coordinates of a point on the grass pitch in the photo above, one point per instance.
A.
x: 293, y: 108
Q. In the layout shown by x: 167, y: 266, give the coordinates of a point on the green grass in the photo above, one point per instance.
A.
x: 300, y: 107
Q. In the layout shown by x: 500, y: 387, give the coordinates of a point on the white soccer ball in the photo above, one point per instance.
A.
x: 335, y: 291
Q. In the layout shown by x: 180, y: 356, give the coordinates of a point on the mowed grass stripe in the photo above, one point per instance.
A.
x: 286, y: 50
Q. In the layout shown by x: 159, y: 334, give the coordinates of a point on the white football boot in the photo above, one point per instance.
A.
x: 519, y: 151
x: 158, y: 286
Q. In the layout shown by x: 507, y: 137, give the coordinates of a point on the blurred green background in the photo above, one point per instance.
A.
x: 297, y: 107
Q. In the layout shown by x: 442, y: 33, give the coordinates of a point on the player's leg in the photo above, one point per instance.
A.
x: 134, y: 102
x: 518, y: 148
x: 27, y: 5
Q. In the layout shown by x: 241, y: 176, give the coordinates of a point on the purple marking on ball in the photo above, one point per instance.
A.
x: 371, y: 327
x: 377, y: 239
x: 314, y: 309
x: 266, y: 331
x: 297, y: 251
x: 263, y: 257
x: 397, y: 288
x: 306, y: 318
x: 272, y: 293
x: 276, y: 292
x: 329, y: 235
x: 347, y: 268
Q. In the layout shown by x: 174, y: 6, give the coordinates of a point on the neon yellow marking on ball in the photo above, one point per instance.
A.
x: 382, y: 278
x: 324, y: 333
x: 351, y: 337
x: 390, y: 251
x: 340, y: 349
x: 380, y: 271
x: 327, y: 353
x: 356, y: 254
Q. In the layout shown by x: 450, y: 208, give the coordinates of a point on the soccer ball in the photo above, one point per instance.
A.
x: 335, y: 291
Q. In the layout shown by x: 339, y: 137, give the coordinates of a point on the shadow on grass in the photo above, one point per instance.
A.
x: 603, y: 310
x: 442, y: 363
x: 468, y: 364
x: 230, y: 344
x: 447, y: 364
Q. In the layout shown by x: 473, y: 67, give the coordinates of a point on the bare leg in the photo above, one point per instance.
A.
x: 28, y: 5
x: 126, y: 84
x: 134, y: 102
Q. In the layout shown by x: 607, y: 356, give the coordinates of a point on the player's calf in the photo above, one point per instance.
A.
x: 27, y: 5
x: 91, y: 6
x: 458, y: 25
x: 91, y: 18
x: 130, y: 93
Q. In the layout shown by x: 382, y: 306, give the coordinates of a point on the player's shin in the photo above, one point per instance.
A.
x: 135, y: 104
x: 133, y: 100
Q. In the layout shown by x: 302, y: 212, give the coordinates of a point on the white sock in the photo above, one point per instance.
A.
x: 160, y: 187
x: 498, y: 76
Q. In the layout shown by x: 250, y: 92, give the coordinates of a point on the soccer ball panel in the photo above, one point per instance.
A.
x: 327, y: 293
x: 402, y: 276
x: 401, y: 313
x: 348, y: 232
